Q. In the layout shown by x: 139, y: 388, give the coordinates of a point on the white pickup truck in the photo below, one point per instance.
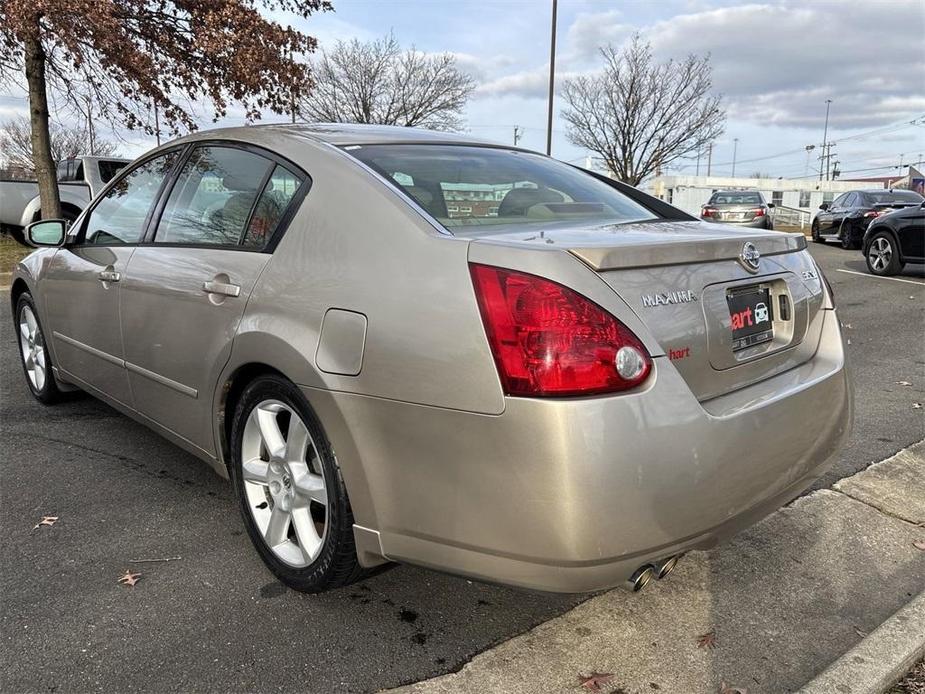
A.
x: 79, y: 180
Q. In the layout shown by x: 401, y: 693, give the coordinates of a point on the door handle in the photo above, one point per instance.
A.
x: 222, y: 288
x: 109, y: 276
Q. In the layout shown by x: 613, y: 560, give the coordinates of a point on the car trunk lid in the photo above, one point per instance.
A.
x: 678, y: 278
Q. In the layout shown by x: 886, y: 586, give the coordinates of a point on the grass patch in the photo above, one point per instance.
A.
x: 10, y: 254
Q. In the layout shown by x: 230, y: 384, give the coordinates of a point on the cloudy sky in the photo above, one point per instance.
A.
x: 775, y: 64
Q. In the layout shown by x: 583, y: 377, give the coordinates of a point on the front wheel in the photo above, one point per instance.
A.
x: 882, y: 256
x: 292, y: 496
x: 815, y: 232
x: 36, y: 362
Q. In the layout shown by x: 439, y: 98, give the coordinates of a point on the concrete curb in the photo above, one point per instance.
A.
x: 880, y: 659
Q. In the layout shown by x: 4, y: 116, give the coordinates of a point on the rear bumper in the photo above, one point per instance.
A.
x: 574, y: 495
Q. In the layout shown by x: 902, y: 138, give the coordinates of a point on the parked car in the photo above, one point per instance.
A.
x: 79, y: 179
x: 894, y: 239
x: 565, y: 393
x: 847, y: 218
x: 740, y: 207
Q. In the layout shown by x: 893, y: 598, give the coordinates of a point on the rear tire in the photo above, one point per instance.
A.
x: 33, y: 352
x: 290, y: 490
x: 815, y: 233
x: 882, y: 255
x: 847, y: 241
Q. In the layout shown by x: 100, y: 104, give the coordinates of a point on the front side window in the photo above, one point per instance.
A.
x: 214, y: 195
x: 119, y: 217
x: 473, y: 189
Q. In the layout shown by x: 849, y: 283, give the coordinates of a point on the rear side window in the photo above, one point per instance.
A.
x: 108, y: 169
x: 119, y: 217
x: 276, y: 196
x: 213, y: 198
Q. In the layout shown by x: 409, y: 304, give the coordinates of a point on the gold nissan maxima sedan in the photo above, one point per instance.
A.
x: 409, y: 346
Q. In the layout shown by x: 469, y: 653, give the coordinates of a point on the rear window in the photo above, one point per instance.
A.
x: 481, y: 189
x: 736, y: 198
x: 889, y: 196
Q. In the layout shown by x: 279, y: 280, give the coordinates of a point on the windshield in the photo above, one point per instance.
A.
x: 888, y: 196
x: 472, y: 188
x: 735, y: 198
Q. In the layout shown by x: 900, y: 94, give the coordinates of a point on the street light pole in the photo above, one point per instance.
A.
x: 735, y: 151
x: 825, y: 137
x: 552, y: 77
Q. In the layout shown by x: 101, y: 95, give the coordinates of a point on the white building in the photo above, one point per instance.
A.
x: 691, y: 192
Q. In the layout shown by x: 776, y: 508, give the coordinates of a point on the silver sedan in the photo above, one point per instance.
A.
x: 410, y: 346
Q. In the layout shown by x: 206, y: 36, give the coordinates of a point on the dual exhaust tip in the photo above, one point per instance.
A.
x: 647, y: 572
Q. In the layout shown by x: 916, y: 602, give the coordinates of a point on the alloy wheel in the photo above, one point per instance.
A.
x: 284, y: 484
x: 880, y: 253
x: 32, y: 347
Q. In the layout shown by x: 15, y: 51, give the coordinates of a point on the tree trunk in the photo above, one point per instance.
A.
x: 38, y: 117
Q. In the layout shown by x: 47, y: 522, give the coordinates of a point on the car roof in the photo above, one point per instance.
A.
x: 344, y: 134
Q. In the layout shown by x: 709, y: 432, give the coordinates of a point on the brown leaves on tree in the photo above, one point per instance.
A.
x: 707, y: 640
x: 46, y: 520
x: 594, y: 681
x: 129, y: 55
x: 129, y: 579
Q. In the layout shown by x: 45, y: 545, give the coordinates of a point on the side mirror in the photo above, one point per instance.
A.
x: 48, y: 232
x: 824, y: 206
x: 770, y: 205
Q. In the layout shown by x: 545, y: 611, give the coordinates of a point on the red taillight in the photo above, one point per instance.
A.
x: 759, y: 212
x: 707, y: 212
x: 548, y: 340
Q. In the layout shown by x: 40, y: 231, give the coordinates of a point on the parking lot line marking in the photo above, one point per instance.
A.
x: 878, y: 277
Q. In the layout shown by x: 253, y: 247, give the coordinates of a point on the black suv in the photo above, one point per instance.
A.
x: 847, y: 218
x: 894, y: 239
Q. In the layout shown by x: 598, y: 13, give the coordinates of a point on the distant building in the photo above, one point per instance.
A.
x: 691, y: 192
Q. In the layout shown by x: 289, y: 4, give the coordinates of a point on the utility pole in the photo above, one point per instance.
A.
x: 825, y: 133
x: 735, y: 151
x: 518, y: 133
x: 90, y: 133
x: 292, y: 95
x: 552, y: 77
x: 157, y: 125
x: 709, y: 158
x: 698, y: 162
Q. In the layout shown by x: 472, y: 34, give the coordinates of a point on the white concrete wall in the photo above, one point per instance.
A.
x: 690, y: 192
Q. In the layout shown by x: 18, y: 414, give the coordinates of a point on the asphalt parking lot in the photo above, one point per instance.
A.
x: 215, y: 619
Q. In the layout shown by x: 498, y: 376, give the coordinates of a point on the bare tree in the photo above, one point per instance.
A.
x: 66, y: 141
x: 136, y: 59
x: 378, y: 82
x: 638, y: 115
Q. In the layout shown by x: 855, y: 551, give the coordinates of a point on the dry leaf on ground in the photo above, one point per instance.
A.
x: 727, y: 689
x: 707, y: 640
x: 594, y: 681
x: 46, y: 520
x: 129, y: 579
x: 919, y: 544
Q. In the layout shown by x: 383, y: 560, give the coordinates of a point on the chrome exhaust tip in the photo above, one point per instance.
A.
x: 663, y: 567
x: 640, y: 578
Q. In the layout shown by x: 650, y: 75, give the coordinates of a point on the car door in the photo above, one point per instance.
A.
x: 910, y: 228
x: 845, y: 216
x: 185, y: 291
x: 81, y: 286
x: 824, y: 217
